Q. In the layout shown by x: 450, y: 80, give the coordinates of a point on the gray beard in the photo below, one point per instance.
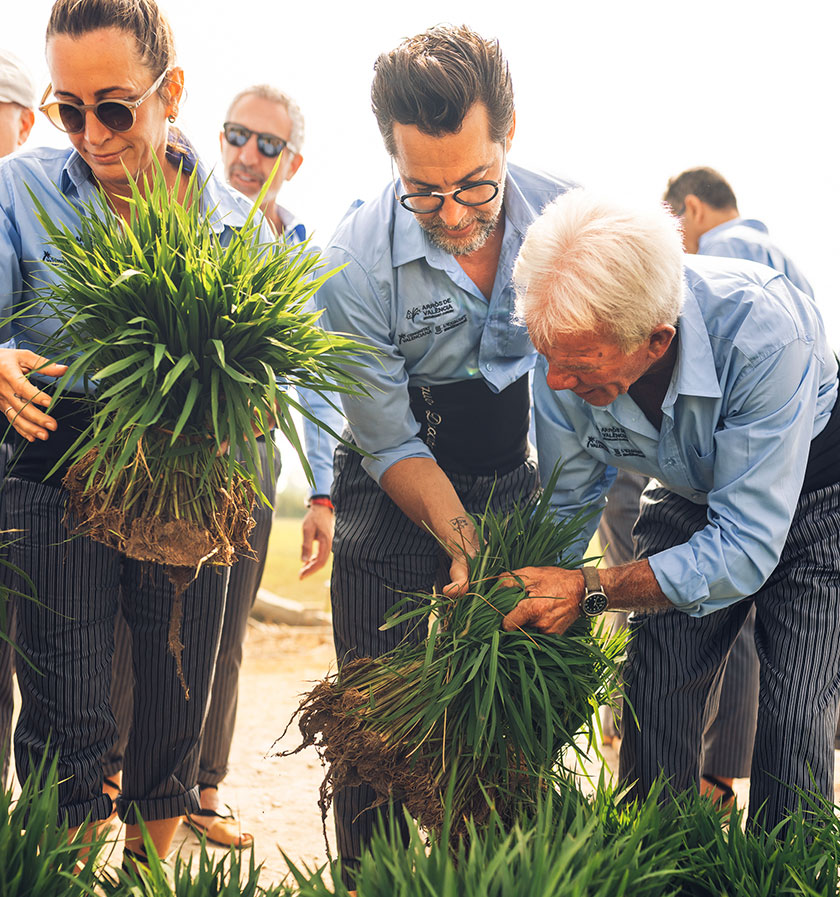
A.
x: 485, y: 225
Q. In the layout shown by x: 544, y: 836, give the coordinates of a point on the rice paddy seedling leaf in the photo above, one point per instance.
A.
x: 499, y: 707
x: 37, y: 858
x: 182, y: 337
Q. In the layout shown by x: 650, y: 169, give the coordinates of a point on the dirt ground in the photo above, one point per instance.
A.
x: 276, y: 797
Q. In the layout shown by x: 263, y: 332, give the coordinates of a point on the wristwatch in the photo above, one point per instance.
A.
x: 594, y: 601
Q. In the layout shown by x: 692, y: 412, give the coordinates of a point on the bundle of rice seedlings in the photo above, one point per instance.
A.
x: 191, y: 345
x: 475, y: 710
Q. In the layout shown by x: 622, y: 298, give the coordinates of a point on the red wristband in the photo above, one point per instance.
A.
x: 321, y: 500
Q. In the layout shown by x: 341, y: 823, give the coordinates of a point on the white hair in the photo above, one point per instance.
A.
x: 591, y: 264
x: 275, y: 95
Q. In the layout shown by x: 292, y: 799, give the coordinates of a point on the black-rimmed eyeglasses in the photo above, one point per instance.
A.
x: 270, y: 145
x: 116, y: 115
x: 478, y: 193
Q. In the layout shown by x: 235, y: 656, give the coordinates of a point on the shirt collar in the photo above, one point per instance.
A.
x: 695, y: 373
x: 223, y: 208
x: 735, y: 222
x: 411, y: 243
x: 293, y: 228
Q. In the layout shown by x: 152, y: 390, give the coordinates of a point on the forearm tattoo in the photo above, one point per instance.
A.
x: 460, y: 524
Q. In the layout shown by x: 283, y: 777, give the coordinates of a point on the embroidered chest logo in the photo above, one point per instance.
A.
x: 427, y: 314
x: 430, y: 310
x: 614, y: 434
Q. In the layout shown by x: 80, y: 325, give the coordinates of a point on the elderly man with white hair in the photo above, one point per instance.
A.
x: 714, y: 377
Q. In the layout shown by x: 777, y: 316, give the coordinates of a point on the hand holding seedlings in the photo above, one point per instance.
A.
x: 19, y: 396
x: 553, y: 601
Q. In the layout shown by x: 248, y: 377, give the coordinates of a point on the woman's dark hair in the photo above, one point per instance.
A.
x: 433, y: 80
x: 140, y: 18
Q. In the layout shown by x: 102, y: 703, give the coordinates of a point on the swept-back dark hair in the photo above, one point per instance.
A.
x: 433, y: 80
x: 140, y: 18
x: 704, y: 183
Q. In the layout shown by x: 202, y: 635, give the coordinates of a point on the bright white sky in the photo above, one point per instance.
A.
x: 616, y: 95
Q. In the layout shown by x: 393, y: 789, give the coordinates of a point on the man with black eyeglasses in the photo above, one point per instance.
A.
x: 427, y: 281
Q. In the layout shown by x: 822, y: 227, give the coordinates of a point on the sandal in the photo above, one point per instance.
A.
x: 221, y: 828
x: 113, y: 784
x: 724, y: 795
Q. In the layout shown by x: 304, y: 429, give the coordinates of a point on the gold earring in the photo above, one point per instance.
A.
x: 171, y: 118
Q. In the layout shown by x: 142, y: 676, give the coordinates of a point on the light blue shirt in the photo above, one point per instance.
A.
x: 746, y: 238
x: 62, y: 182
x: 431, y: 324
x: 754, y: 382
x: 319, y: 444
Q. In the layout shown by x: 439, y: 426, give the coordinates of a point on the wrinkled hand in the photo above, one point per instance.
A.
x: 19, y: 398
x: 554, y: 602
x: 318, y: 527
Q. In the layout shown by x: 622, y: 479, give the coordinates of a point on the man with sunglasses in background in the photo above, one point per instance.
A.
x: 262, y: 124
x: 427, y: 282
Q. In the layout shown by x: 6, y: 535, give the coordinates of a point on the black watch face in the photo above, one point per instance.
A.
x: 594, y: 603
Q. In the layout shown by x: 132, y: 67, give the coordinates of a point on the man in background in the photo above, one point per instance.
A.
x: 262, y: 125
x: 17, y: 103
x: 17, y: 115
x: 712, y: 225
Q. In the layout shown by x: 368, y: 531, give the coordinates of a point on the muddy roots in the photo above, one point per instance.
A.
x: 333, y: 719
x: 137, y: 514
x: 104, y: 515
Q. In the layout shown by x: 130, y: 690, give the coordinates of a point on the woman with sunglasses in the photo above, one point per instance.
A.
x: 116, y: 91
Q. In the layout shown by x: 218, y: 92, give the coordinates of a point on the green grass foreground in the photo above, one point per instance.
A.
x: 569, y: 844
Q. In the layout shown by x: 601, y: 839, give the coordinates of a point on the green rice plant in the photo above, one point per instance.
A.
x: 191, y: 346
x: 797, y: 858
x: 597, y: 845
x: 231, y: 875
x: 473, y: 709
x: 37, y: 856
x: 558, y: 848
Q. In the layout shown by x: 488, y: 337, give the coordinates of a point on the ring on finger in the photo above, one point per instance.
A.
x: 10, y: 408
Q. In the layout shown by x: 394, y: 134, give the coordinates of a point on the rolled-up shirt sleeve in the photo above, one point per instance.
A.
x: 761, y: 448
x: 381, y: 422
x: 583, y: 481
x: 320, y: 444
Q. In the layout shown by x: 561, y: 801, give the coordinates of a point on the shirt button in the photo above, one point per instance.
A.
x: 488, y: 367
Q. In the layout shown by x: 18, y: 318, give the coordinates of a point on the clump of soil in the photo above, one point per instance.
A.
x: 101, y: 513
x: 114, y: 515
x: 333, y: 719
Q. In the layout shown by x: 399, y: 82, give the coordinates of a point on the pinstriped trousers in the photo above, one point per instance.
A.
x: 675, y: 662
x: 245, y: 577
x: 378, y: 553
x: 68, y: 635
x: 728, y: 741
